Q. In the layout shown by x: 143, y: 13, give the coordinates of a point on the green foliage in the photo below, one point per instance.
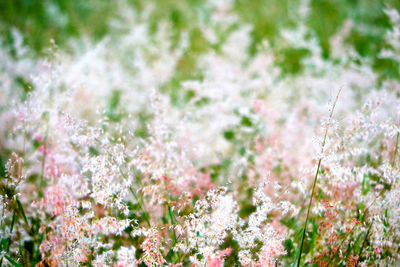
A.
x: 39, y: 21
x: 290, y: 60
x: 113, y: 113
x: 325, y: 19
x: 366, y: 187
x: 266, y: 17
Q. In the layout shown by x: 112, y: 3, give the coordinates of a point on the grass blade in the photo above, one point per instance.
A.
x: 364, y: 243
x: 21, y: 210
x: 13, y: 262
x: 145, y: 214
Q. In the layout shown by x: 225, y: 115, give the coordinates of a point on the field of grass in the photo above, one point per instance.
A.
x: 199, y: 133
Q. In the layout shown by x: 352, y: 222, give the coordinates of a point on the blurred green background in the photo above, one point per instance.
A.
x: 42, y: 20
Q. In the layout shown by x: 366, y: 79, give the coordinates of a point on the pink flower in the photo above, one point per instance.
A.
x: 215, y: 262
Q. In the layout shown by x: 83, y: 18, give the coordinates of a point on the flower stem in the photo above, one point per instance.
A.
x: 315, y: 180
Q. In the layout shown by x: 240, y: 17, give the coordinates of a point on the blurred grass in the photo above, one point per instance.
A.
x: 42, y: 20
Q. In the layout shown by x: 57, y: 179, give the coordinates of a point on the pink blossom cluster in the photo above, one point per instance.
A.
x: 103, y: 168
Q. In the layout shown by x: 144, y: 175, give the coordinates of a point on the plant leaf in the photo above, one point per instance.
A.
x: 13, y: 262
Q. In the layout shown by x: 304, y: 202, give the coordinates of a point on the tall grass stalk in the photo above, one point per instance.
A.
x: 316, y: 178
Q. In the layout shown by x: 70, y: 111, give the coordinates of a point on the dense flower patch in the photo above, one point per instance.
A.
x: 149, y: 150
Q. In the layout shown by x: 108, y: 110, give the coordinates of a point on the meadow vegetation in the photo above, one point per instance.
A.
x: 199, y: 133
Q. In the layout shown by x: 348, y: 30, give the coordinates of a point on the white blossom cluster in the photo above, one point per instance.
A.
x: 114, y: 156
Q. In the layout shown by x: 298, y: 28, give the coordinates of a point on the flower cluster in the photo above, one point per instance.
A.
x: 204, y: 148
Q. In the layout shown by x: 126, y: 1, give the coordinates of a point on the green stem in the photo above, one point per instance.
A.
x: 21, y: 210
x: 396, y: 148
x: 146, y: 216
x: 173, y: 222
x: 11, y: 229
x: 365, y: 241
x: 315, y: 180
x: 352, y: 229
x: 308, y: 213
x: 41, y: 182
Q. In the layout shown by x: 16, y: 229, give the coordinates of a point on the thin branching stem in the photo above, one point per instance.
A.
x: 139, y: 201
x: 364, y: 243
x: 43, y: 162
x: 316, y: 178
x: 145, y: 214
x: 352, y: 229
